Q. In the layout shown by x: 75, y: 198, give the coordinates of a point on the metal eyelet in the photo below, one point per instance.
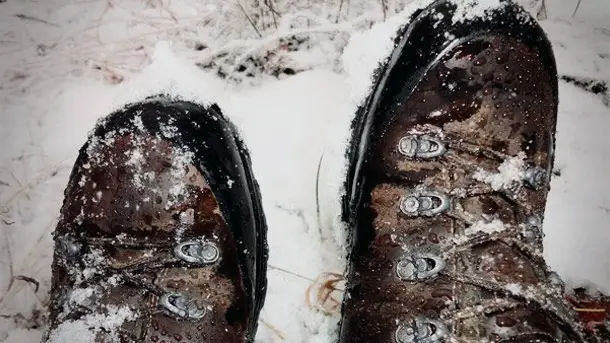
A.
x: 532, y: 229
x: 69, y: 247
x: 535, y: 177
x: 424, y: 147
x: 419, y: 267
x: 534, y: 221
x: 182, y: 306
x: 421, y: 330
x: 424, y: 204
x: 199, y: 252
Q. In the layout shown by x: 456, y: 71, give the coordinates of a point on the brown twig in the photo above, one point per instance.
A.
x: 291, y: 273
x: 269, y: 4
x: 29, y: 280
x: 543, y: 13
x: 339, y: 11
x: 324, y: 286
x: 275, y: 330
x: 243, y: 9
x: 576, y: 9
x: 318, y: 195
x: 31, y: 18
x: 9, y: 255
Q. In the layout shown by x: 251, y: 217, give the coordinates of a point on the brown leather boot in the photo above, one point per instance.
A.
x: 449, y: 173
x: 161, y: 236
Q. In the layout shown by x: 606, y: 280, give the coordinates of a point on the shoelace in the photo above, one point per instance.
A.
x: 191, y: 253
x: 526, y: 238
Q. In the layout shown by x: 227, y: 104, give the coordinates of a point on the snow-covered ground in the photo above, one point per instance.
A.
x: 64, y: 64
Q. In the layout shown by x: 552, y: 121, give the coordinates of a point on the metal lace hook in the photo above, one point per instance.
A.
x: 424, y: 147
x: 424, y: 204
x: 198, y: 252
x: 419, y: 267
x: 182, y: 306
x: 421, y: 330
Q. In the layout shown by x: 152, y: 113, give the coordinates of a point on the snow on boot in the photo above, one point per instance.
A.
x: 450, y: 164
x: 161, y: 236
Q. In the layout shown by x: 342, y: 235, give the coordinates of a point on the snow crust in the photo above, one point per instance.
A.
x: 494, y: 226
x: 510, y: 172
x: 471, y: 9
x: 86, y: 329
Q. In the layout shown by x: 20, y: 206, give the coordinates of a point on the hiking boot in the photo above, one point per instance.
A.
x: 161, y: 236
x: 449, y: 171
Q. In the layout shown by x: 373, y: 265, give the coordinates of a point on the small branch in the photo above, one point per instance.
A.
x: 590, y: 85
x: 542, y: 13
x: 30, y: 18
x: 384, y: 9
x: 272, y: 267
x: 273, y: 329
x: 600, y: 88
x: 318, y: 194
x: 339, y: 11
x: 29, y: 280
x: 346, y: 27
x: 269, y: 4
x: 243, y: 9
x: 576, y: 9
x: 349, y: 2
x: 262, y: 18
x: 10, y: 267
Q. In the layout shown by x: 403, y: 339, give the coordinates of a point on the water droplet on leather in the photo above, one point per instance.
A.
x: 504, y: 321
x: 502, y: 58
x: 480, y: 61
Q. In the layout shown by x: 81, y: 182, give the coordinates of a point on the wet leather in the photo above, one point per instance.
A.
x: 132, y: 197
x: 490, y: 91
